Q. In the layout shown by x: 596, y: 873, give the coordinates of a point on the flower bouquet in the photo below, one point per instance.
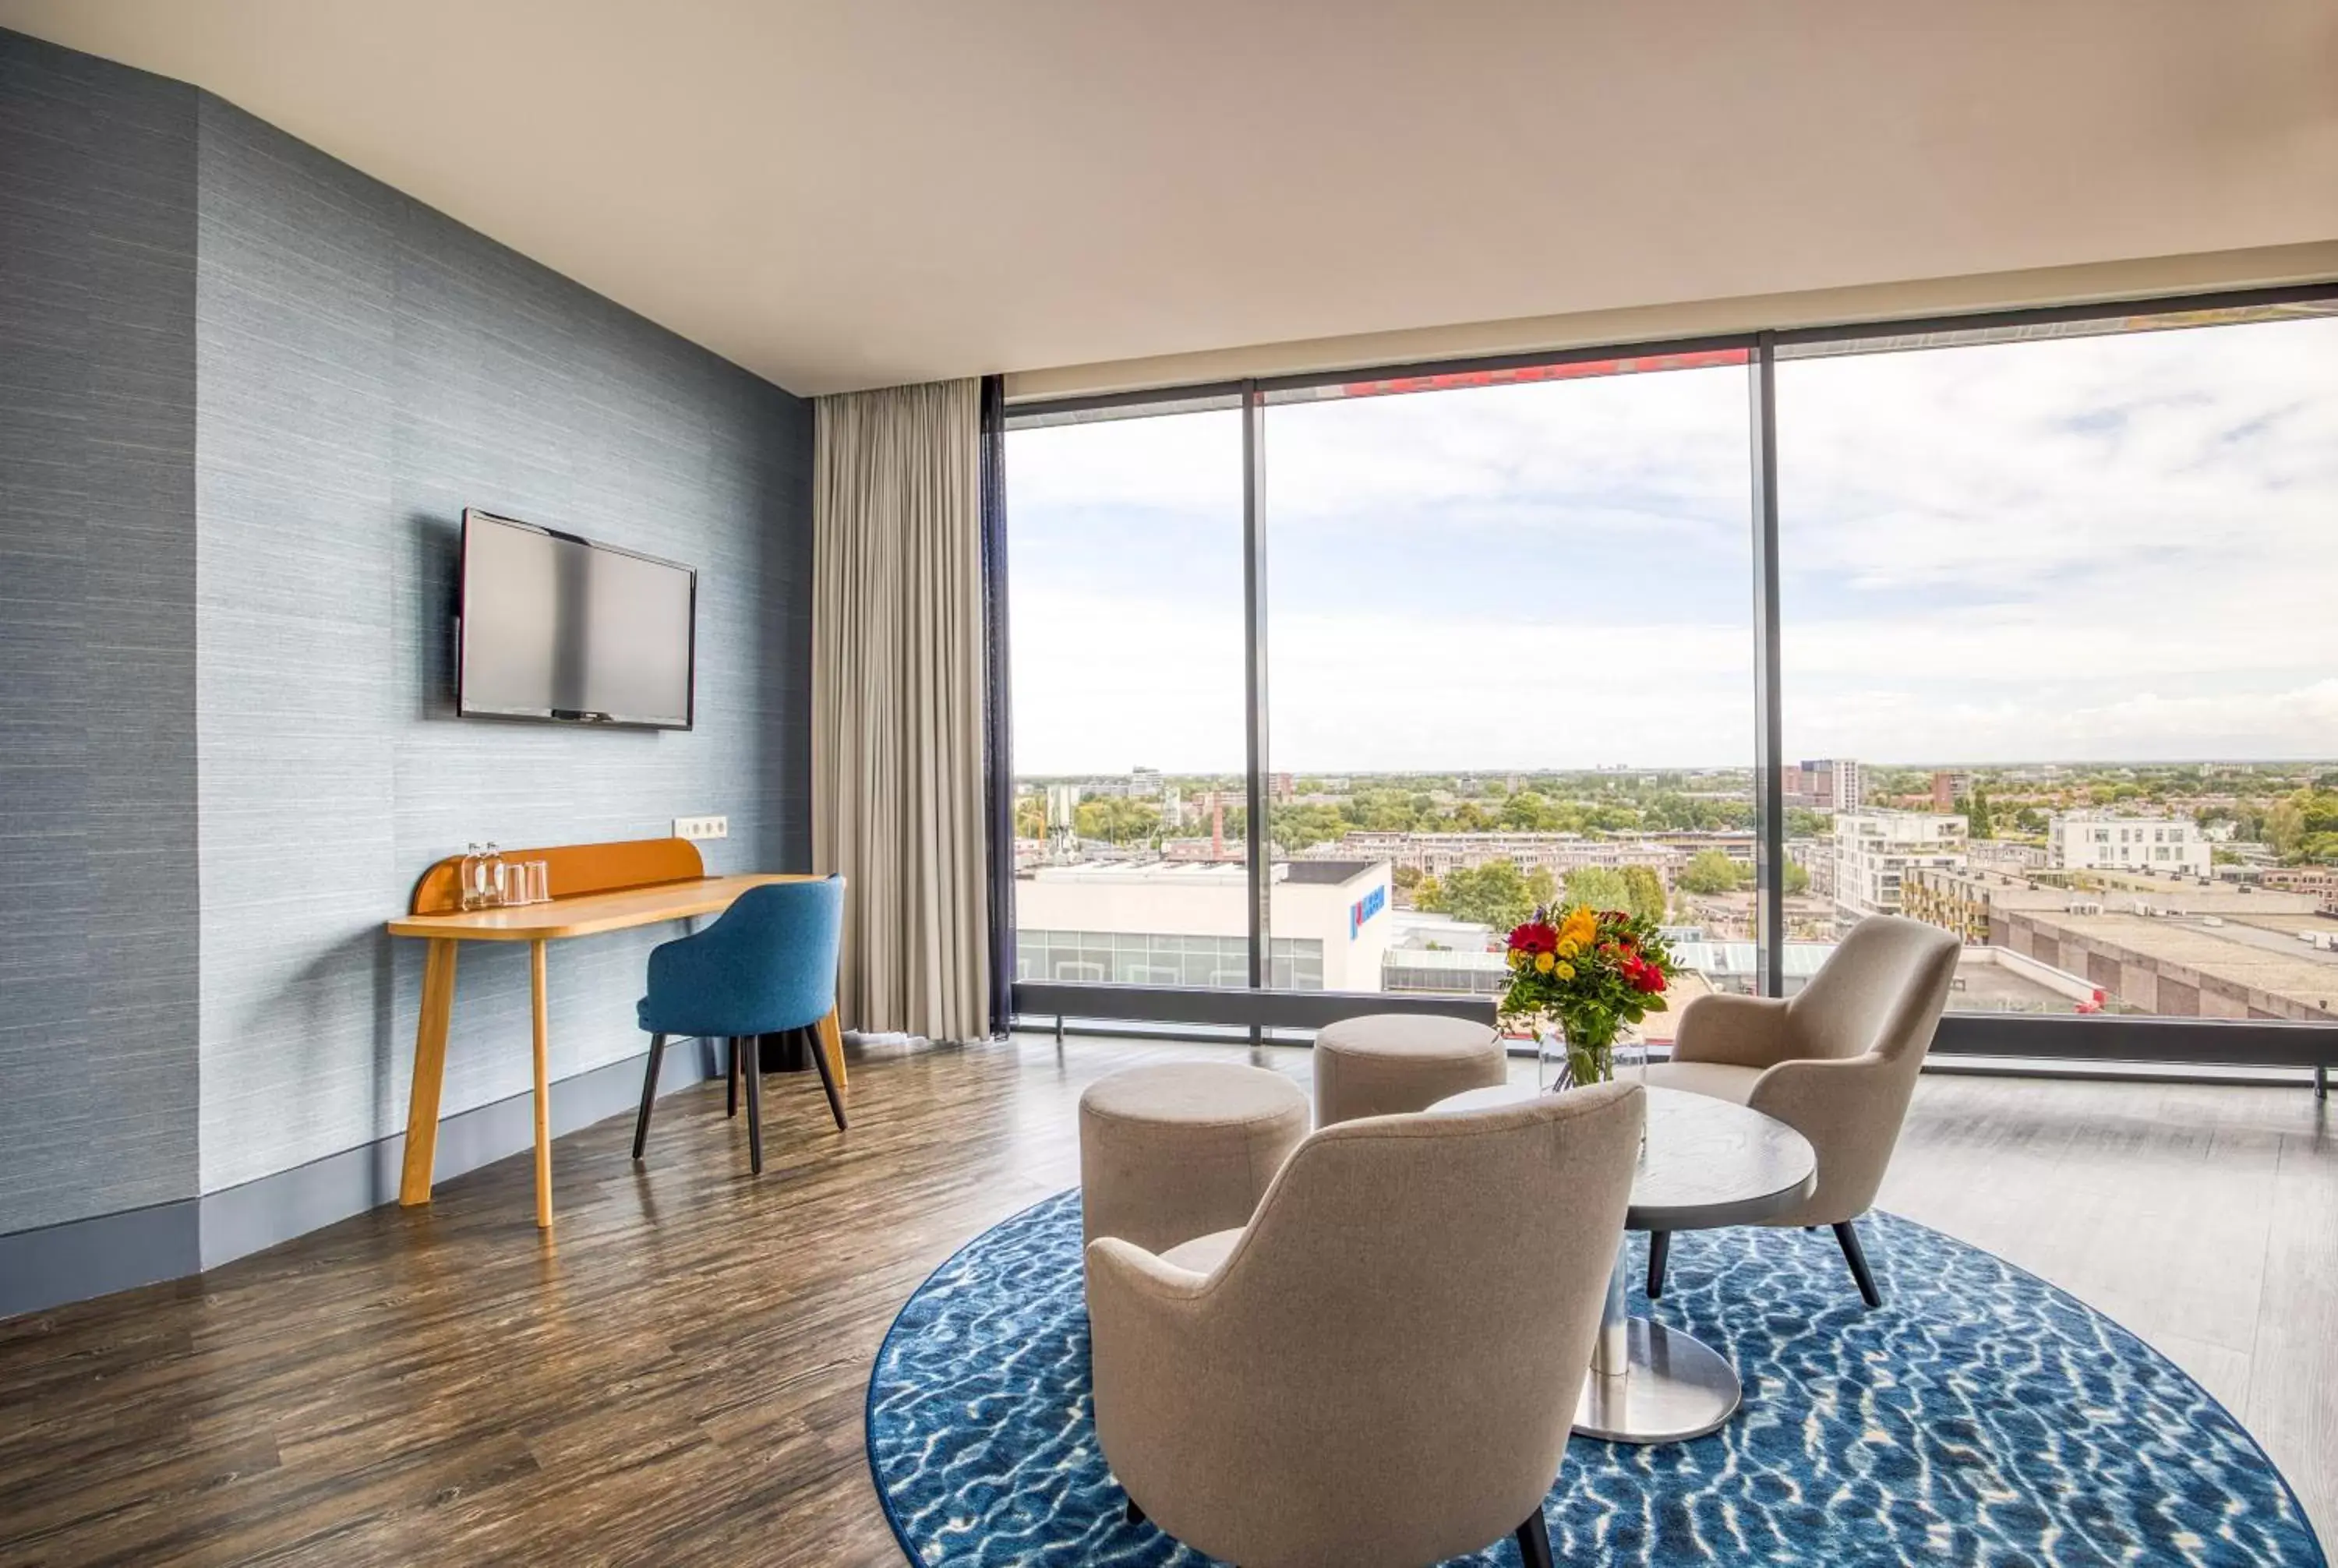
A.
x: 1589, y: 972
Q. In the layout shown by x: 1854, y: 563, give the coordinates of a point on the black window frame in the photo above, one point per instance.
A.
x: 2108, y: 1039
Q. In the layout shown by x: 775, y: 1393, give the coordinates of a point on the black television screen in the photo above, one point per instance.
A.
x: 557, y: 627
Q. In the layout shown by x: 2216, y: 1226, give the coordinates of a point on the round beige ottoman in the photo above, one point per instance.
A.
x: 1388, y: 1064
x: 1180, y: 1148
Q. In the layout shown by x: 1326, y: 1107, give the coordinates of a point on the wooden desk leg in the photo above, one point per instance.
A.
x: 429, y: 1072
x: 831, y: 1046
x: 543, y: 1091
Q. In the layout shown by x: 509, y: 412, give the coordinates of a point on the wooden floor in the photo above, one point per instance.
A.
x: 677, y: 1377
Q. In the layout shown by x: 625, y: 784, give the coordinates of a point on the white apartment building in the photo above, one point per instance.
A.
x: 1825, y: 784
x: 2105, y: 841
x: 1162, y: 922
x: 1875, y: 851
x: 1436, y: 853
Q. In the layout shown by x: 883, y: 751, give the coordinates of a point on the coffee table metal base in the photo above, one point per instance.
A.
x: 1673, y: 1388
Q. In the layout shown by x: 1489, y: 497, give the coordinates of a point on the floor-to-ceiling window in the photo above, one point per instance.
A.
x: 2056, y: 668
x: 2059, y: 616
x: 1125, y: 583
x: 1510, y: 650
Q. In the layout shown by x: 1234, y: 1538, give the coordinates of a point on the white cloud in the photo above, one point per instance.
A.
x: 2106, y: 547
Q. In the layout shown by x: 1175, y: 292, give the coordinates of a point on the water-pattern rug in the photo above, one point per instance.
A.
x: 1982, y: 1416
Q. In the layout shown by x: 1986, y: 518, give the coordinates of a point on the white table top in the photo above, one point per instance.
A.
x: 1708, y: 1162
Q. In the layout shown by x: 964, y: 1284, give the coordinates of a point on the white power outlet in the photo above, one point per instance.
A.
x: 701, y: 826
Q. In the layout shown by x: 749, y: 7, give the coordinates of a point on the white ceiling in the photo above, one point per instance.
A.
x: 860, y: 192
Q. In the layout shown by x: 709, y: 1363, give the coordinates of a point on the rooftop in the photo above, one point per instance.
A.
x: 2245, y: 955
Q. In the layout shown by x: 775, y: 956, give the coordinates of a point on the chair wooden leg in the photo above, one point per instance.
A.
x: 827, y: 1078
x: 649, y: 1093
x: 754, y: 1103
x: 1856, y: 1256
x: 1660, y: 1246
x: 1534, y: 1542
x: 731, y: 1050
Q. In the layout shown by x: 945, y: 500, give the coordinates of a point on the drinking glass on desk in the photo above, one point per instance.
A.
x: 535, y: 881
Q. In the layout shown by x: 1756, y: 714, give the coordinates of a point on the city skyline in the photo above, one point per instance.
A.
x: 2096, y: 547
x: 1495, y: 771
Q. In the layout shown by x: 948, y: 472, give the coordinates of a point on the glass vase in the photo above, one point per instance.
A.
x: 1574, y: 1056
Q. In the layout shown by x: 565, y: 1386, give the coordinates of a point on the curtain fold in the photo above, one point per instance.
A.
x: 897, y: 725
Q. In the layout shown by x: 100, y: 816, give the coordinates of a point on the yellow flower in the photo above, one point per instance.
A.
x: 1518, y: 959
x: 1581, y: 927
x: 1564, y: 970
x: 1568, y: 948
x: 1542, y: 963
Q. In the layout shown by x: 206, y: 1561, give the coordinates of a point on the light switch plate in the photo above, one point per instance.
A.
x: 701, y: 826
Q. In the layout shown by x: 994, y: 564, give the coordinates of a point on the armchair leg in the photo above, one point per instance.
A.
x: 649, y: 1093
x: 754, y: 1102
x: 1660, y: 1247
x: 1853, y: 1255
x: 1534, y: 1542
x: 827, y: 1078
x: 1135, y: 1515
x: 731, y: 1050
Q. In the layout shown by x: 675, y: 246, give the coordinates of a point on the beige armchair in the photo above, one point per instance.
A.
x: 1382, y: 1365
x: 1837, y: 1063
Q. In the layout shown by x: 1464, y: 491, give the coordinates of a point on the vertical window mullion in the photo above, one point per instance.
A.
x: 1258, y: 837
x: 1770, y: 748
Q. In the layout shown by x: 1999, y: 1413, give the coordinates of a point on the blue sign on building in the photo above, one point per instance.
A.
x: 1364, y: 909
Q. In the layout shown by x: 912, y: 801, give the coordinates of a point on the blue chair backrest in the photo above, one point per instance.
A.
x: 768, y: 963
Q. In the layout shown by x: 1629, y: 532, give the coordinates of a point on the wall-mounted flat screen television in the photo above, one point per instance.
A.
x: 553, y: 626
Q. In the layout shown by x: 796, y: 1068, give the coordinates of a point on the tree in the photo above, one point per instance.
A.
x: 1977, y: 814
x: 1710, y: 871
x: 1798, y: 877
x: 1297, y: 828
x: 1117, y: 819
x: 1803, y: 823
x: 1493, y: 894
x: 1600, y: 886
x: 2285, y: 827
x: 1406, y: 878
x: 1644, y: 891
x: 1541, y: 891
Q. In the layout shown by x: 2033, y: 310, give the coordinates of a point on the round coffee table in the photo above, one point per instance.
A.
x: 1705, y: 1163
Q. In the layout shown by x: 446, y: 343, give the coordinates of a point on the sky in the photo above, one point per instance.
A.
x: 2112, y: 548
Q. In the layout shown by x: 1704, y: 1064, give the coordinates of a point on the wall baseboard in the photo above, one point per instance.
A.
x: 80, y: 1258
x: 55, y: 1265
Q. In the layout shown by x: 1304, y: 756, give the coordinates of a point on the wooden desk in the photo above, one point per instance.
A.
x: 579, y: 914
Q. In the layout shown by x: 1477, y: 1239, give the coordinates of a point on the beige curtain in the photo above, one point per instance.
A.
x: 896, y: 704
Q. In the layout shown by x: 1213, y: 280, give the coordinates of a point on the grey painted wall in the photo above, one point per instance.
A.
x: 245, y: 394
x: 97, y: 638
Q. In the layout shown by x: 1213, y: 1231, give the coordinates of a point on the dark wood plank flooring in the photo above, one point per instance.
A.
x: 677, y: 1376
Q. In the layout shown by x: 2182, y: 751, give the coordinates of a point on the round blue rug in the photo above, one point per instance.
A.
x: 1982, y: 1416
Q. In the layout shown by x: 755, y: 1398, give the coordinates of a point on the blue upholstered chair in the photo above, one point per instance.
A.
x: 766, y: 966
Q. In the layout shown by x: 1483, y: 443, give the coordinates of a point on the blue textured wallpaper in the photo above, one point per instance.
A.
x: 369, y: 368
x: 245, y: 394
x: 97, y: 637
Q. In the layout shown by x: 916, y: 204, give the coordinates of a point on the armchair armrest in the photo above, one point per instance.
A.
x: 1736, y: 1030
x: 1151, y: 1340
x: 1850, y: 1108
